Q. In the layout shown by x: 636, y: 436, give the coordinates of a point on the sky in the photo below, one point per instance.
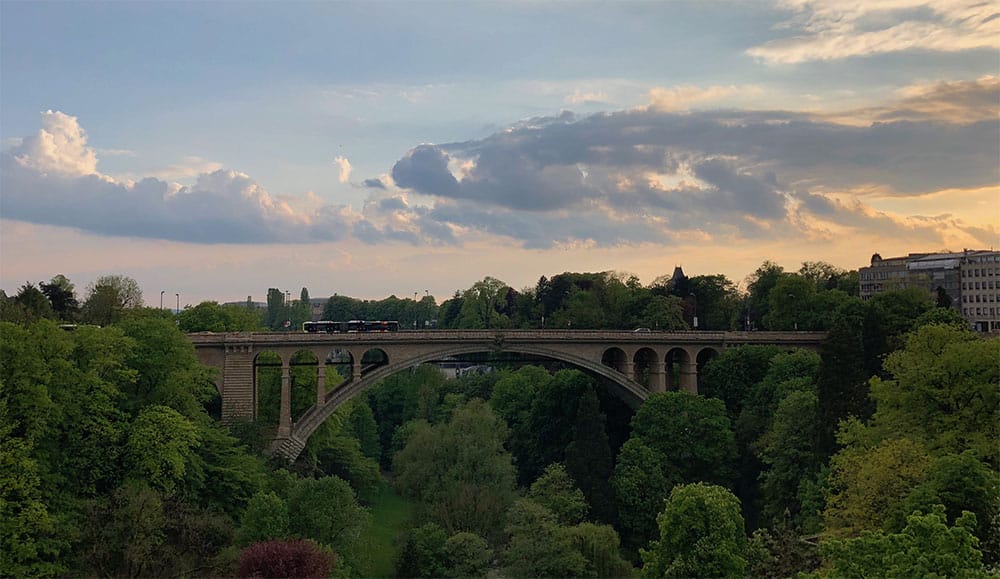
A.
x: 214, y: 150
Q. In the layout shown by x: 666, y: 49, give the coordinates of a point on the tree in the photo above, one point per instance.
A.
x: 788, y: 452
x: 790, y: 304
x: 423, y: 552
x: 959, y: 483
x: 539, y: 546
x: 467, y: 555
x: 341, y: 456
x: 294, y: 558
x: 265, y: 518
x: 640, y: 488
x: 28, y: 543
x: 326, y: 511
x: 556, y: 491
x: 663, y: 313
x: 943, y: 392
x: 26, y: 307
x: 550, y: 422
x: 759, y: 286
x: 362, y: 426
x: 277, y: 309
x: 926, y: 547
x: 847, y: 360
x: 701, y: 535
x: 588, y: 457
x: 160, y: 446
x: 481, y: 305
x: 428, y: 551
x: 599, y: 546
x: 512, y: 399
x: 61, y: 295
x: 460, y: 470
x: 716, y: 301
x: 866, y: 484
x: 732, y: 376
x: 109, y: 297
x: 691, y: 433
x: 211, y: 317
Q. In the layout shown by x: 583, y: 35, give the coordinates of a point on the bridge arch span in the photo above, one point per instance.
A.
x: 630, y: 391
x: 618, y: 356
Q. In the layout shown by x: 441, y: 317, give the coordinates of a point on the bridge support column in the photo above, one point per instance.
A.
x: 629, y: 370
x: 356, y: 369
x: 239, y: 392
x: 320, y: 383
x: 657, y: 377
x: 689, y: 377
x: 285, y: 414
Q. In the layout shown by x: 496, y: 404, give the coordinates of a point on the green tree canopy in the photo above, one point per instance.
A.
x: 460, y: 471
x: 926, y: 547
x: 701, y: 535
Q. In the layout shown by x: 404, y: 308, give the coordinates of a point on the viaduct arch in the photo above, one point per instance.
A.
x: 637, y: 364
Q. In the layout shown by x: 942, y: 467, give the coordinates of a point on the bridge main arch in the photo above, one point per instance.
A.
x: 631, y: 392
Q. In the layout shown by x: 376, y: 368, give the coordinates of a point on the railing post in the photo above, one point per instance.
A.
x: 285, y: 413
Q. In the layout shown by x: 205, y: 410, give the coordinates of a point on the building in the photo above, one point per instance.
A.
x: 980, y: 293
x: 969, y: 279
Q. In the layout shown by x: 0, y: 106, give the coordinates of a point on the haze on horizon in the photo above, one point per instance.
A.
x: 218, y: 149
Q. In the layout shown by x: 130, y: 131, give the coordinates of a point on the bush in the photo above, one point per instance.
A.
x: 298, y: 558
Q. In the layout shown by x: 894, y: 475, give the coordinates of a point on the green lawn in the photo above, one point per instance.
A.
x: 390, y: 515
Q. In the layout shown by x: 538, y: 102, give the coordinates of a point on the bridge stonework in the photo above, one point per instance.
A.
x: 636, y: 364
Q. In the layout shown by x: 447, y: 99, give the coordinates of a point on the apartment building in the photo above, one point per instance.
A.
x: 970, y: 278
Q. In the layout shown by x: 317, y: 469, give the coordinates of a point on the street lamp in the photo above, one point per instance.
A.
x: 178, y: 303
x: 161, y: 298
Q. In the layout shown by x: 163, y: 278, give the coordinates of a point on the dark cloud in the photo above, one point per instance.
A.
x: 373, y: 184
x: 425, y: 169
x: 719, y: 171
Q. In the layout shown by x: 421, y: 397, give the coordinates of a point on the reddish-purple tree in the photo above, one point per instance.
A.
x: 285, y: 558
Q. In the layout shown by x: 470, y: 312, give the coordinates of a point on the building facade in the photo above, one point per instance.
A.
x: 969, y: 280
x: 980, y: 297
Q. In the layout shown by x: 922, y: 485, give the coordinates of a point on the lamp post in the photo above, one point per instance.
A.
x: 161, y: 298
x: 178, y: 304
x: 795, y: 321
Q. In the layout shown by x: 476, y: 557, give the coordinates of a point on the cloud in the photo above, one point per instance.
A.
x: 631, y: 177
x: 60, y: 148
x: 52, y: 178
x: 680, y: 98
x: 835, y: 29
x: 345, y: 168
x: 649, y: 175
x: 958, y: 102
x: 586, y: 97
x: 189, y: 167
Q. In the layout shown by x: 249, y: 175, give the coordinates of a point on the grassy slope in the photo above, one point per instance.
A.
x: 390, y: 514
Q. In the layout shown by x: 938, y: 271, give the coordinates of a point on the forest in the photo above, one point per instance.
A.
x: 875, y: 456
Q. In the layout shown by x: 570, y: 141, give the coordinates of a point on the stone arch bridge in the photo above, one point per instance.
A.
x: 636, y: 363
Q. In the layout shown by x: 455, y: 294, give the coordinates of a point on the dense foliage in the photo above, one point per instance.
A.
x: 875, y: 456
